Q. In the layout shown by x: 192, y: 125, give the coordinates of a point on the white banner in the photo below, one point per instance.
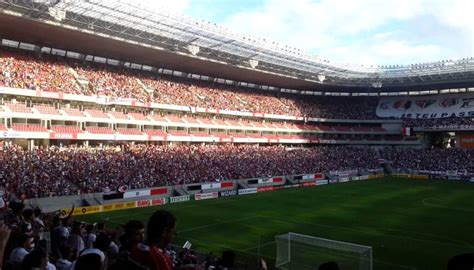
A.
x: 343, y: 179
x: 343, y: 173
x: 206, y: 196
x: 210, y: 186
x: 177, y: 199
x: 321, y: 182
x: 308, y: 177
x: 265, y: 180
x: 364, y: 177
x: 137, y: 193
x: 423, y: 107
x: 247, y: 191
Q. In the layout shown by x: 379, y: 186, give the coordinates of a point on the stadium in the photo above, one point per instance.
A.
x: 134, y: 139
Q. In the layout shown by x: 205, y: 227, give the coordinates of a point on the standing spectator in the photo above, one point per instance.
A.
x: 161, y: 229
x: 26, y: 243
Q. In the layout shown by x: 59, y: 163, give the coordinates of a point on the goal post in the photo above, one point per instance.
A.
x: 298, y: 251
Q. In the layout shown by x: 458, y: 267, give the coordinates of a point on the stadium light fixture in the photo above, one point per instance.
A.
x: 57, y: 14
x: 321, y: 78
x: 193, y: 49
x: 377, y: 85
x: 253, y: 63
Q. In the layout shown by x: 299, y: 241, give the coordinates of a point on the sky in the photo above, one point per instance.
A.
x: 365, y: 32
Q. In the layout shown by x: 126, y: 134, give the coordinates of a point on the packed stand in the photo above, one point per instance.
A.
x: 64, y: 171
x: 47, y: 171
x: 48, y: 73
x: 443, y: 123
x: 20, y: 70
x: 110, y: 82
x: 430, y: 159
x: 333, y: 107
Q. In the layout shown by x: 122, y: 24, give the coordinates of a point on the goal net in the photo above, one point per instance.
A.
x: 297, y: 251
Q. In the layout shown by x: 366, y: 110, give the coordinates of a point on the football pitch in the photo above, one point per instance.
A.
x: 410, y: 224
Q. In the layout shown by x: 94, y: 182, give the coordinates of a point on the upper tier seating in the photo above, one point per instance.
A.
x: 74, y: 112
x: 65, y: 129
x: 28, y: 128
x: 129, y: 131
x: 18, y: 108
x: 23, y: 70
x: 119, y: 115
x: 139, y: 116
x: 96, y: 113
x: 99, y: 130
x: 45, y: 109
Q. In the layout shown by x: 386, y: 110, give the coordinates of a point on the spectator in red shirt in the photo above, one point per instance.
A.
x: 161, y: 229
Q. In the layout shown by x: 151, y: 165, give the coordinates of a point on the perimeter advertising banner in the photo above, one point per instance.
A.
x: 151, y: 202
x: 178, y: 199
x: 424, y: 107
x: 322, y: 182
x: 343, y: 179
x: 83, y: 210
x: 206, y: 196
x: 247, y: 191
x: 228, y: 193
x: 210, y: 186
x: 118, y: 206
x: 265, y: 189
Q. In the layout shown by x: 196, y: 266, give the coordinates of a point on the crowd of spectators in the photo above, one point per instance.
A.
x: 50, y: 73
x: 440, y: 123
x: 46, y: 171
x: 430, y: 159
x: 55, y: 74
x: 33, y: 240
x: 110, y: 82
x: 19, y: 70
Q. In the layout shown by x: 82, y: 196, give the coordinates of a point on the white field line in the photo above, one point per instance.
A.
x: 217, y: 223
x: 247, y: 250
x: 424, y: 201
x: 261, y: 245
x: 226, y: 247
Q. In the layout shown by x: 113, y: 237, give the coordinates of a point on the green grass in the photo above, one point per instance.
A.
x: 411, y: 224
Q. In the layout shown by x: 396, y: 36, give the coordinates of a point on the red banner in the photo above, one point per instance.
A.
x: 159, y: 201
x: 277, y: 179
x: 159, y: 191
x: 318, y: 176
x: 265, y: 189
x: 143, y: 203
x: 227, y: 184
x: 309, y: 184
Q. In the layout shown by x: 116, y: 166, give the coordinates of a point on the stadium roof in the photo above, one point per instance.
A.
x: 119, y: 30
